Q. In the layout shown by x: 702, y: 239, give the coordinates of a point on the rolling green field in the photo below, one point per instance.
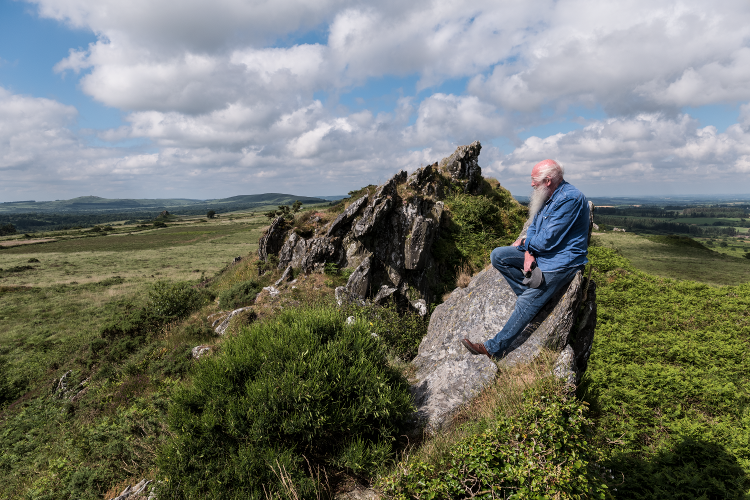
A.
x: 680, y: 258
x: 49, y: 311
x: 173, y: 253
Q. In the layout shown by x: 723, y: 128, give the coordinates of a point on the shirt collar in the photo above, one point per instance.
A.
x: 562, y: 183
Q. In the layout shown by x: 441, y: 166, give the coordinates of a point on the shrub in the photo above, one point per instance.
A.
x: 159, y: 223
x: 542, y: 452
x: 303, y: 388
x: 175, y: 300
x: 7, y: 229
x: 401, y: 331
x: 476, y: 225
x: 240, y: 295
x: 211, y: 214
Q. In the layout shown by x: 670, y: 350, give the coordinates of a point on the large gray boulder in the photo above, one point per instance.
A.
x: 448, y: 375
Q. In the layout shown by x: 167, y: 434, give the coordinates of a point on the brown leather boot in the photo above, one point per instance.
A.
x: 475, y: 348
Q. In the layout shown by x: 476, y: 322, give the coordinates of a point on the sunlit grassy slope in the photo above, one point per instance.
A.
x: 49, y: 311
x: 678, y: 258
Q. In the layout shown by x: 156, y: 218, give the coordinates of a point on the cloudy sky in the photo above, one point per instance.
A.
x: 204, y: 99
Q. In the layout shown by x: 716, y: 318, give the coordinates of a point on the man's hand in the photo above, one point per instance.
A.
x: 527, y: 261
x: 518, y: 242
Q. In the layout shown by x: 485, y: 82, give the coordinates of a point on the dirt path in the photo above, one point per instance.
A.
x: 15, y: 243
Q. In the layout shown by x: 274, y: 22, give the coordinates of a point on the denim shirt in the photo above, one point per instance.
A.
x: 558, y: 235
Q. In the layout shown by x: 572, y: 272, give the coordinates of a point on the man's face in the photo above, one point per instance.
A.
x: 546, y: 182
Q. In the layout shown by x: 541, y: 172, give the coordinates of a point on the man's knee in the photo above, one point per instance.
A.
x: 499, y: 256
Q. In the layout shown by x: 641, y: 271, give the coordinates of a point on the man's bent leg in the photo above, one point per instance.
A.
x: 528, y: 305
x: 509, y: 261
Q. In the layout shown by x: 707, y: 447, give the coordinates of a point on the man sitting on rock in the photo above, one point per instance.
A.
x: 547, y: 259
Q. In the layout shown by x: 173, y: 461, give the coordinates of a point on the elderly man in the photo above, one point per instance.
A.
x: 556, y: 242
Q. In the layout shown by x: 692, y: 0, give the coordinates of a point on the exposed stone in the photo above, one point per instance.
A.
x: 62, y: 387
x: 448, y: 375
x: 359, y: 281
x: 224, y: 318
x: 393, y: 228
x: 463, y: 166
x: 345, y: 218
x: 344, y: 296
x: 273, y: 239
x: 136, y: 491
x: 420, y: 306
x: 200, y: 350
x: 384, y: 294
x: 286, y: 276
x: 372, y: 215
x: 237, y: 259
x: 350, y: 320
x: 564, y: 365
x: 273, y: 292
x: 359, y: 494
x: 418, y: 242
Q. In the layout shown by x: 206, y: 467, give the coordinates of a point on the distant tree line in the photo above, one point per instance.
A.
x: 672, y: 212
x: 714, y: 212
x: 663, y: 226
x: 6, y: 229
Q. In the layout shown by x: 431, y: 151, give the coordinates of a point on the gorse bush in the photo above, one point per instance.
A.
x: 239, y: 295
x: 175, y: 300
x: 542, y: 452
x: 284, y: 398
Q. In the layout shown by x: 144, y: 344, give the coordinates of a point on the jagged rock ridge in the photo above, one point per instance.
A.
x: 386, y: 236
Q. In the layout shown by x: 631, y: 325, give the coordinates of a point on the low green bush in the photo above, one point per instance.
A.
x: 475, y: 226
x: 401, y: 331
x: 240, y: 295
x: 542, y: 452
x: 284, y: 398
x: 176, y: 300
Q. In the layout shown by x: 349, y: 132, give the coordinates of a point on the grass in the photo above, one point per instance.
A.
x: 50, y: 321
x: 523, y: 437
x: 667, y: 381
x: 677, y: 259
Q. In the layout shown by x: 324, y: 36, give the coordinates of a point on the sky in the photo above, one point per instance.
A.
x: 210, y: 99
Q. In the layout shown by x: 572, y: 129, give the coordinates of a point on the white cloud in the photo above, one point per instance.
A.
x: 217, y: 91
x: 646, y: 149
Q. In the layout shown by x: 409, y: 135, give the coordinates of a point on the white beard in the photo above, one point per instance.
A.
x: 538, y: 198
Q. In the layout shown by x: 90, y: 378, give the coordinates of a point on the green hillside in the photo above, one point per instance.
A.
x: 98, y: 204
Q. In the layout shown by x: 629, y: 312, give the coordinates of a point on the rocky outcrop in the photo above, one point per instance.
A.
x: 220, y: 321
x: 385, y: 235
x: 464, y: 167
x: 272, y: 239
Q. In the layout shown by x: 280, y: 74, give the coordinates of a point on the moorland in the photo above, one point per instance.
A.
x: 114, y: 314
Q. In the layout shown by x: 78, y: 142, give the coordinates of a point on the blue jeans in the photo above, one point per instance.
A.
x: 509, y: 261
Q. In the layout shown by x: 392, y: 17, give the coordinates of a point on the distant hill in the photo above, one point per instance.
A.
x: 85, y: 211
x: 179, y: 205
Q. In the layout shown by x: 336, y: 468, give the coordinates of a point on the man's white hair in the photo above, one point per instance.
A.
x: 550, y: 169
